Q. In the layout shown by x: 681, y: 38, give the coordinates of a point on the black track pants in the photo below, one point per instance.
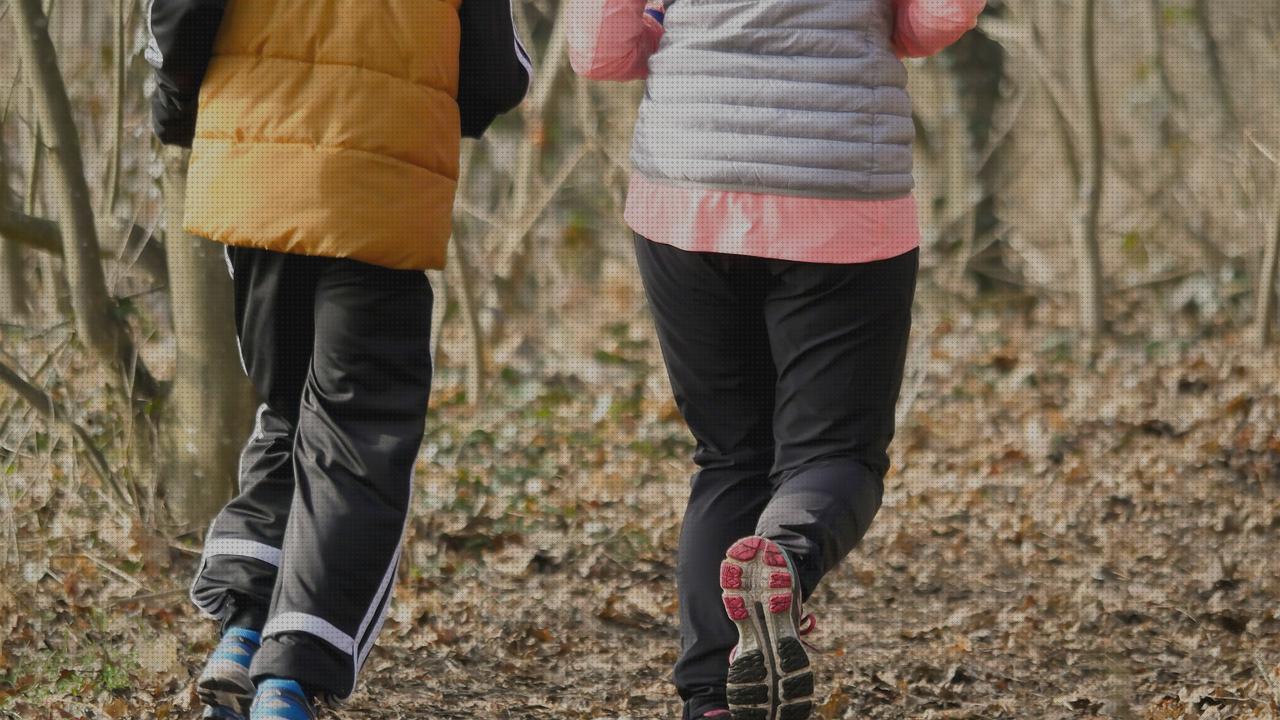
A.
x: 339, y: 352
x: 787, y: 374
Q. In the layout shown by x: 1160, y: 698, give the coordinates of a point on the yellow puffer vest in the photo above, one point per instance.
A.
x: 330, y: 127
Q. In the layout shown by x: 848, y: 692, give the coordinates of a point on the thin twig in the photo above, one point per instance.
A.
x: 163, y: 594
x: 1268, y: 677
x: 462, y: 278
x: 112, y: 569
x: 49, y: 408
x: 46, y: 236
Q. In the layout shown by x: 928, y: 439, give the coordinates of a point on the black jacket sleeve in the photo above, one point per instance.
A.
x: 180, y: 44
x: 494, y: 68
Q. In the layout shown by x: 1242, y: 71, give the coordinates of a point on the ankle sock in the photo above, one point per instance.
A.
x: 285, y: 684
x: 252, y: 636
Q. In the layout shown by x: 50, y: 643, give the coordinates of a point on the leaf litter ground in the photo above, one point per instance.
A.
x: 1055, y: 542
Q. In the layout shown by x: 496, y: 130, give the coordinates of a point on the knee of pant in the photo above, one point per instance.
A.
x: 748, y: 479
x: 838, y: 492
x: 843, y: 468
x: 753, y: 459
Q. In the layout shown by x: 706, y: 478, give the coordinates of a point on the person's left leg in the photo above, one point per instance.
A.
x: 360, y: 426
x: 707, y: 312
x: 839, y: 340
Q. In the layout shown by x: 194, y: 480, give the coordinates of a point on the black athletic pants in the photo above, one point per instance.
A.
x: 339, y: 353
x: 787, y: 374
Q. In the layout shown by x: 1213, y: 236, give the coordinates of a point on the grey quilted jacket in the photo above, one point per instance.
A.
x: 791, y: 97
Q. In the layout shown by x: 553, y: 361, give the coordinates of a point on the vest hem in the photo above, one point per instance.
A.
x: 763, y: 190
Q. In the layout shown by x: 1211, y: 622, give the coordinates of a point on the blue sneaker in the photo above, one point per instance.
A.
x: 281, y: 700
x: 225, y: 687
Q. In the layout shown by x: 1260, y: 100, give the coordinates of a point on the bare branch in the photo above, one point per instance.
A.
x: 530, y: 154
x: 1085, y: 230
x: 96, y: 324
x: 45, y: 236
x: 461, y: 276
x: 1217, y: 71
x: 50, y: 409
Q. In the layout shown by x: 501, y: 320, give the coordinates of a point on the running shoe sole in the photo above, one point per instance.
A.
x: 220, y: 713
x: 770, y: 677
x: 223, y: 692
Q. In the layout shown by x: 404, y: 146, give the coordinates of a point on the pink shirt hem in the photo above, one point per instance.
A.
x: 780, y: 227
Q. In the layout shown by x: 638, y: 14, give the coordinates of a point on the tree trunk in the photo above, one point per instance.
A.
x: 15, y: 291
x: 439, y: 309
x: 97, y: 326
x: 1085, y: 230
x: 1217, y: 71
x: 119, y: 79
x: 53, y: 285
x: 1264, y: 315
x: 211, y: 407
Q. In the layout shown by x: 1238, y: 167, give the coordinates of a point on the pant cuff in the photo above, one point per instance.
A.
x: 703, y: 702
x: 314, y: 663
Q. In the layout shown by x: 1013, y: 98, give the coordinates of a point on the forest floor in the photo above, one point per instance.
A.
x: 1056, y: 541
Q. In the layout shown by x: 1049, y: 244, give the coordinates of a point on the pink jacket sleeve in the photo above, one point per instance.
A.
x: 611, y: 39
x: 926, y: 27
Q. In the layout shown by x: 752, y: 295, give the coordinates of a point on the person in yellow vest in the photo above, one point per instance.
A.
x: 324, y: 142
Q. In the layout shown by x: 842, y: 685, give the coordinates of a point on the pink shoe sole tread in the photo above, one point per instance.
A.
x: 736, y: 607
x: 730, y: 576
x: 746, y: 549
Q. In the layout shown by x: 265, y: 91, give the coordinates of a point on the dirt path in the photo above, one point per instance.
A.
x: 1055, y: 543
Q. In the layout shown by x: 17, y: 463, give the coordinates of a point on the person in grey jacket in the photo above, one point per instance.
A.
x: 776, y: 236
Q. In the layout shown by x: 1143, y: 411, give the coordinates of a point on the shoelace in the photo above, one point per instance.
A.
x: 807, y: 625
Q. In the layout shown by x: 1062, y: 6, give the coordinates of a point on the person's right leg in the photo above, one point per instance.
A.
x: 707, y: 309
x: 273, y: 312
x: 361, y: 423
